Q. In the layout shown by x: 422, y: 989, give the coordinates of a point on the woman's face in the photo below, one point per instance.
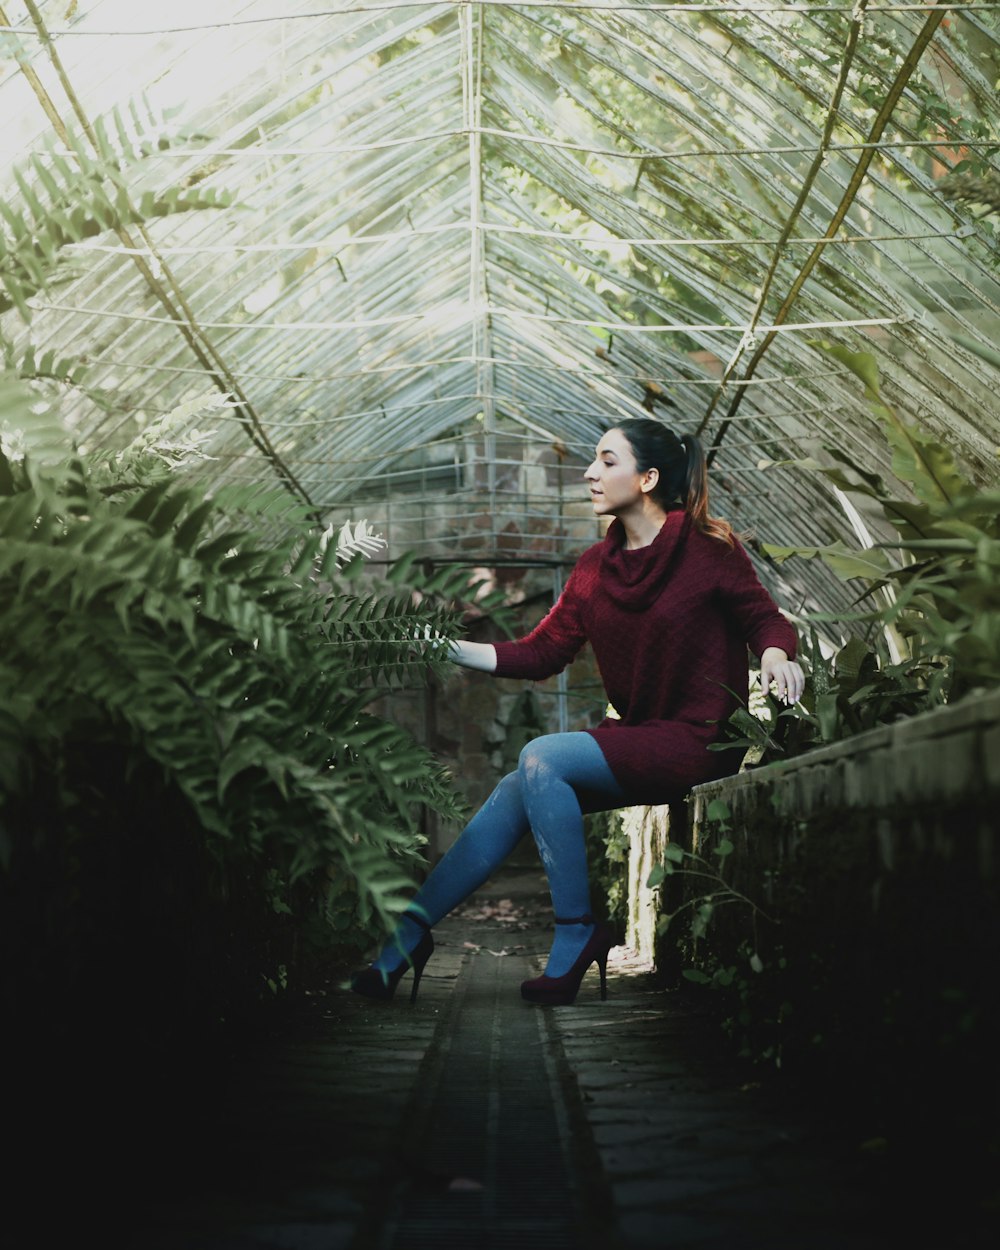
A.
x: 614, y: 479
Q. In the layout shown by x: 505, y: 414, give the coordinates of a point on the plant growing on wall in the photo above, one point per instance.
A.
x: 848, y: 690
x: 935, y: 586
x: 710, y: 889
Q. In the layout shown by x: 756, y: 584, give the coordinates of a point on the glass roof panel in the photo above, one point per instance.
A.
x: 431, y: 247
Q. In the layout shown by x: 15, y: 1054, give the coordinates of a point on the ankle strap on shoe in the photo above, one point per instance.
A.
x: 588, y: 919
x: 412, y: 915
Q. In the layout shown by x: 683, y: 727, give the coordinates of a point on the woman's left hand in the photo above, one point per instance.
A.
x: 785, y: 675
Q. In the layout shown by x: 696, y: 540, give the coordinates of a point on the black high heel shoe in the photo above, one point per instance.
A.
x: 374, y: 983
x: 561, y: 991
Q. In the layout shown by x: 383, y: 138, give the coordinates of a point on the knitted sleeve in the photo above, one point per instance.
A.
x: 754, y: 611
x: 551, y: 645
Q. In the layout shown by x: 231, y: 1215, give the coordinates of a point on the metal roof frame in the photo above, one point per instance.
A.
x: 493, y: 224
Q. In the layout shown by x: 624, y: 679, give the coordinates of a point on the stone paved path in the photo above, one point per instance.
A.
x: 471, y: 1119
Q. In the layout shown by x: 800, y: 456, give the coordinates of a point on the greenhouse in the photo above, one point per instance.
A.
x: 334, y: 335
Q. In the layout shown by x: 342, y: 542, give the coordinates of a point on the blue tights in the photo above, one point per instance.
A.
x: 558, y: 778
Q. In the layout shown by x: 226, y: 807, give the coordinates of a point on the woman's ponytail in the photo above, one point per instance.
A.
x: 695, y: 478
x: 696, y: 493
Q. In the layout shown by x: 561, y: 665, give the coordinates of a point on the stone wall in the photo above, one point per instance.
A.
x: 845, y: 829
x: 860, y: 942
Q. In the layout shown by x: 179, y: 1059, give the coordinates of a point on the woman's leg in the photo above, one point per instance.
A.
x: 482, y: 846
x: 559, y: 777
x: 563, y: 776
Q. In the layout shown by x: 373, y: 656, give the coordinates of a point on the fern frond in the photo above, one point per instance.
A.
x: 166, y: 442
x: 165, y: 623
x: 30, y: 366
x: 62, y: 204
x: 359, y: 541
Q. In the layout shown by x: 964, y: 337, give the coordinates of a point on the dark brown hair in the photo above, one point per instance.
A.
x: 683, y: 474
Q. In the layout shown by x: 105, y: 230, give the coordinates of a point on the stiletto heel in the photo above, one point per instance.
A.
x: 374, y: 983
x: 418, y: 972
x: 561, y: 991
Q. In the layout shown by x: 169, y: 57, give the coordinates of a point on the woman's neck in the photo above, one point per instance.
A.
x: 642, y: 526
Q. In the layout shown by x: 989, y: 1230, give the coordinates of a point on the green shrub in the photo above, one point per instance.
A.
x: 147, y: 623
x: 935, y: 590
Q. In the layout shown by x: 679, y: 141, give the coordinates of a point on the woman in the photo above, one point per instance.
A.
x: 670, y: 602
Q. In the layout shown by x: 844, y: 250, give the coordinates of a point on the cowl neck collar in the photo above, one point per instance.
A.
x: 634, y: 579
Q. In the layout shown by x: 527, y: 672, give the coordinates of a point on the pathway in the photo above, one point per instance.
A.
x: 472, y: 1119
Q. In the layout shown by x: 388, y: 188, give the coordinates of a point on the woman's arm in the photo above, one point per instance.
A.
x: 769, y: 634
x: 754, y: 611
x: 478, y: 655
x: 546, y: 650
x: 551, y: 645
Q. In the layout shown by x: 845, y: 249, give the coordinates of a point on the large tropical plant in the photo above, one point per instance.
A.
x: 218, y: 642
x: 934, y: 593
x: 198, y: 810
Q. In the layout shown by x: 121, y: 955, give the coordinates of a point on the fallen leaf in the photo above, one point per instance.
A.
x: 464, y: 1185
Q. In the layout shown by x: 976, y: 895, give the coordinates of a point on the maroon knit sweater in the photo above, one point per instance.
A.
x: 670, y: 625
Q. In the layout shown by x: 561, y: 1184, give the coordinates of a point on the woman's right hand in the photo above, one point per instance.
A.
x: 784, y: 674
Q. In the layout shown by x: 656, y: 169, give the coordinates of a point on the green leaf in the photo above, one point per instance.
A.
x: 192, y: 525
x: 354, y: 568
x: 399, y: 570
x: 828, y: 715
x: 724, y: 848
x: 849, y: 663
x: 844, y: 561
x: 144, y: 507
x: 869, y: 563
x: 718, y: 812
x: 7, y: 481
x: 674, y: 853
x: 19, y: 296
x: 928, y: 466
x: 862, y: 364
x: 30, y: 198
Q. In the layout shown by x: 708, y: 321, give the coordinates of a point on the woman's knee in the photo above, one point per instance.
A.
x: 506, y: 794
x: 527, y: 761
x: 574, y: 758
x: 538, y: 761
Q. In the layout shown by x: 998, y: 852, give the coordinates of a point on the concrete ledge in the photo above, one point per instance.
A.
x: 861, y: 827
x: 952, y: 751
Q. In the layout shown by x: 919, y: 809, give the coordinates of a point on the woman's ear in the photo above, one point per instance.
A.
x: 649, y: 480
